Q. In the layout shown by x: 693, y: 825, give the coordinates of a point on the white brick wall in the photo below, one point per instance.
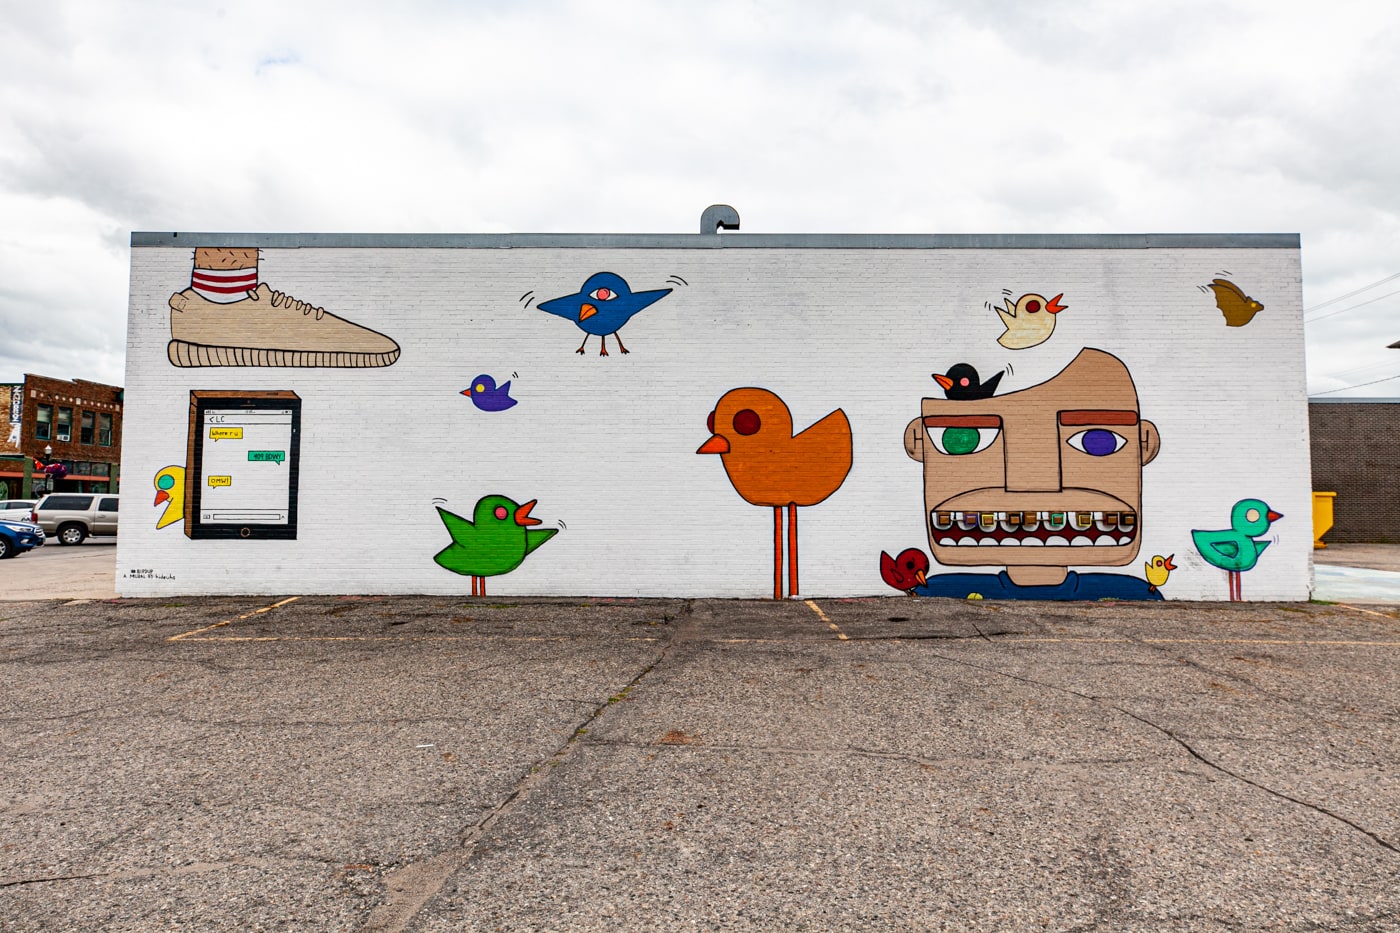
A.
x: 607, y: 445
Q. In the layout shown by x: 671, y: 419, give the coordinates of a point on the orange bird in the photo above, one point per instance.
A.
x: 751, y: 430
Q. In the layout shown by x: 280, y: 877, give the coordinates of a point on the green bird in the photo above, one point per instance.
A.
x: 1235, y: 550
x: 494, y: 542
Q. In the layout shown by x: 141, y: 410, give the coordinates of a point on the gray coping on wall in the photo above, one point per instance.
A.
x: 1098, y: 241
x: 1393, y: 400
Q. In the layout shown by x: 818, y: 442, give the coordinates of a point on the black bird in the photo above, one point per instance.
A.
x: 962, y: 383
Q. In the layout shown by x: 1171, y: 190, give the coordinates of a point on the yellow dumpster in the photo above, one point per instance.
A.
x: 1322, y: 516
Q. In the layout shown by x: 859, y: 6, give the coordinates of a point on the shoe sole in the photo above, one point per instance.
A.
x: 197, y: 354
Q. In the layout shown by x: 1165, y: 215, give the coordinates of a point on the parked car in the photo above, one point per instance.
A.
x: 72, y: 517
x: 17, y: 510
x: 18, y: 537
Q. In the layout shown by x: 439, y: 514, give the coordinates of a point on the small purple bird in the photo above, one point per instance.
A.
x: 486, y: 396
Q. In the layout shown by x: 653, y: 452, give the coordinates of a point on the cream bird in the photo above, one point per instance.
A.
x: 170, y: 489
x: 1029, y: 321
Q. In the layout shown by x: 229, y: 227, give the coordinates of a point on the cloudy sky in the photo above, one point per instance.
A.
x: 630, y: 116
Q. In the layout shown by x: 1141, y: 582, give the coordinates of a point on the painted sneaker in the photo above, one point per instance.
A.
x: 269, y: 328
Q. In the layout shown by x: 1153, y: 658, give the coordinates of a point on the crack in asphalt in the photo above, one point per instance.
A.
x: 415, y: 884
x: 1099, y: 701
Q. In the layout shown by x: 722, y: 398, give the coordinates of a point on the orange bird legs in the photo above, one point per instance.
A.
x: 778, y: 550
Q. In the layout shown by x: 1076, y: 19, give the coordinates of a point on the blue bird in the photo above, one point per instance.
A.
x: 602, y: 307
x: 485, y: 395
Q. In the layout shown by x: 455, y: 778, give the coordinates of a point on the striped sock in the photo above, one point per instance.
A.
x: 224, y: 286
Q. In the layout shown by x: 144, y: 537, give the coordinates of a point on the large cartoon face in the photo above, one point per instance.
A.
x: 1049, y: 476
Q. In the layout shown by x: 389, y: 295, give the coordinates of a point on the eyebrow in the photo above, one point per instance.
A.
x: 962, y: 421
x: 1097, y: 416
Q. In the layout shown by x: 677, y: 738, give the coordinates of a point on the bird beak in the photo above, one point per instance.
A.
x: 161, y: 496
x: 467, y: 391
x: 715, y: 445
x: 1169, y: 565
x: 586, y: 312
x: 1274, y: 516
x: 943, y: 380
x: 1054, y: 307
x: 921, y: 577
x: 522, y: 514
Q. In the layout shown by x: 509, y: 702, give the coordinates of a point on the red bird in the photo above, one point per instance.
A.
x: 908, y: 570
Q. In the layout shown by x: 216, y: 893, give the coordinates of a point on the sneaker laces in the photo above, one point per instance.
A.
x: 283, y: 300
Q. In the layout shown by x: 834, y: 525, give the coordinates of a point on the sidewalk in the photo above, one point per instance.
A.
x: 426, y: 764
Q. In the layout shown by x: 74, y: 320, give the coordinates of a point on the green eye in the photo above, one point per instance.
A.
x: 956, y: 442
x: 166, y: 482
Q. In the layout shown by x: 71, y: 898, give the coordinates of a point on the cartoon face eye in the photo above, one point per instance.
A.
x: 1032, y: 306
x: 602, y: 294
x: 1252, y: 515
x: 479, y: 387
x: 747, y: 422
x: 958, y: 441
x: 710, y: 422
x: 166, y: 482
x: 501, y: 512
x: 1096, y: 442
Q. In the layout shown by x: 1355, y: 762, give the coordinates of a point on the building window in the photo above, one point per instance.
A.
x: 63, y: 427
x: 43, y: 422
x: 101, y: 469
x: 104, y: 430
x: 85, y: 429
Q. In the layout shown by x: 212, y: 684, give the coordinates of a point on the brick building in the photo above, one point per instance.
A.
x: 76, y: 423
x: 1356, y: 454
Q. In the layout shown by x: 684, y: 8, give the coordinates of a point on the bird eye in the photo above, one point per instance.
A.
x: 480, y: 387
x: 710, y: 422
x: 747, y: 422
x: 1097, y: 442
x: 501, y: 512
x: 602, y: 294
x: 958, y: 441
x: 166, y: 482
x: 1032, y: 306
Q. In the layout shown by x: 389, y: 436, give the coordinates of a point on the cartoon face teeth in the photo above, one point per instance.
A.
x: 1033, y: 529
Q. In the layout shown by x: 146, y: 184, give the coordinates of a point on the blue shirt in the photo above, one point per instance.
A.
x: 1075, y: 586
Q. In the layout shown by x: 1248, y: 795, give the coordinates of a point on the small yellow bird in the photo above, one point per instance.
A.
x: 1030, y: 321
x: 170, y: 488
x: 1158, y: 569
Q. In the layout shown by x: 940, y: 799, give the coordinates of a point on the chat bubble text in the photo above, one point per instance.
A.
x: 220, y: 481
x: 221, y: 434
x: 267, y: 456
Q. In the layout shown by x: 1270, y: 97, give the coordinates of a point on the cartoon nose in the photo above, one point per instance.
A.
x: 1032, y: 457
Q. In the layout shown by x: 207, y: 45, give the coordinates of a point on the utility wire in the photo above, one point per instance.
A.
x: 1357, y: 386
x: 1332, y: 301
x: 1349, y: 307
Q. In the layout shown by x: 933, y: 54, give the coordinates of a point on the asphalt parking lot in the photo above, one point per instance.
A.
x: 433, y: 764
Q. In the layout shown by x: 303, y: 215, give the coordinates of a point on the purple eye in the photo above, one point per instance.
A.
x: 1096, y: 442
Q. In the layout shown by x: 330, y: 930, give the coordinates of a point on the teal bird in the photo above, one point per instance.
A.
x: 494, y: 542
x: 1235, y: 550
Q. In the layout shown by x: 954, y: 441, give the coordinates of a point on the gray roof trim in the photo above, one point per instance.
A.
x: 1354, y: 401
x: 723, y: 240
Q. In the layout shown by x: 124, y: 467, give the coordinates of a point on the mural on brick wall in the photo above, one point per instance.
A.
x: 1236, y: 549
x: 1029, y: 320
x: 769, y: 465
x: 1044, y: 481
x: 1037, y: 480
x: 494, y: 542
x: 602, y: 307
x: 228, y: 316
x: 1239, y: 309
